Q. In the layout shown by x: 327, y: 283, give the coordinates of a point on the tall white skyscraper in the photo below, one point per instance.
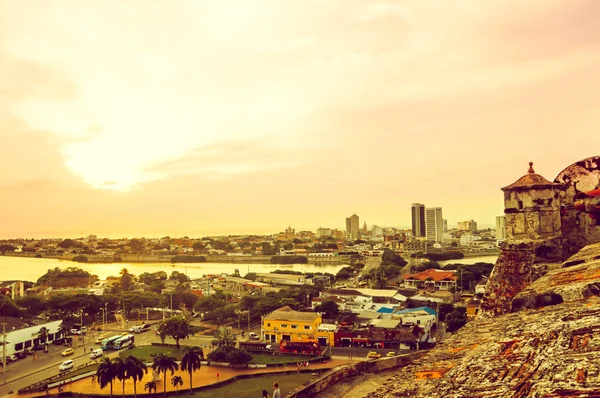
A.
x: 500, y: 228
x: 434, y: 224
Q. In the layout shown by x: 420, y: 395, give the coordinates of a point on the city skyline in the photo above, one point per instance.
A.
x: 246, y: 121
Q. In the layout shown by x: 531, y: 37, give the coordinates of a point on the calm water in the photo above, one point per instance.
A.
x: 30, y: 269
x: 471, y: 260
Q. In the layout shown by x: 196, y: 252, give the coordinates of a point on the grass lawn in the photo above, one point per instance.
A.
x: 252, y: 387
x: 266, y: 358
x: 145, y: 352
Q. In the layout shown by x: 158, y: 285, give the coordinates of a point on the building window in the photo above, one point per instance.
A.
x: 294, y: 326
x: 418, y: 321
x: 520, y: 205
x: 268, y: 325
x: 284, y: 325
x: 306, y: 327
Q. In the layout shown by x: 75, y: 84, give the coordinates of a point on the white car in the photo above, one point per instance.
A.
x: 75, y: 331
x: 66, y: 365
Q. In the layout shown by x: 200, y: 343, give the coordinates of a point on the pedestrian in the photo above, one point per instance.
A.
x: 276, y: 391
x: 265, y: 394
x: 84, y: 349
x: 217, y: 375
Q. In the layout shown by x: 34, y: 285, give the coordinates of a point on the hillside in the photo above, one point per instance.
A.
x: 550, y: 347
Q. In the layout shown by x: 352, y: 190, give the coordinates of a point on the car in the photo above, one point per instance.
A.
x: 133, y: 329
x: 390, y: 354
x: 83, y: 329
x: 66, y: 365
x: 58, y: 341
x: 68, y: 351
x: 75, y: 331
x: 373, y: 355
x: 124, y: 333
x: 99, y: 339
x: 253, y: 336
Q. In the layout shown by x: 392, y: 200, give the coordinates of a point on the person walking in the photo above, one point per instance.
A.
x: 276, y: 391
x: 265, y: 394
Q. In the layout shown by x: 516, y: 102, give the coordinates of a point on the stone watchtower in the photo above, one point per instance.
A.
x: 532, y: 208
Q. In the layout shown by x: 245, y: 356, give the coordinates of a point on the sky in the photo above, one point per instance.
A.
x: 154, y: 118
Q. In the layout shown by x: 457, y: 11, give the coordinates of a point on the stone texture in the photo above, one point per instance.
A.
x: 549, y: 351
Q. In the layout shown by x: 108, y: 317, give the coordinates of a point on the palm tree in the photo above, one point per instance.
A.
x: 177, y: 382
x: 43, y: 334
x: 163, y: 363
x: 191, y: 361
x: 120, y: 372
x: 135, y: 369
x: 106, y: 373
x: 225, y: 338
x: 150, y: 386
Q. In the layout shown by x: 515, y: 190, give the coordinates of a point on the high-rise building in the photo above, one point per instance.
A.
x: 500, y: 228
x: 470, y: 226
x: 434, y: 224
x: 418, y: 220
x: 445, y: 223
x: 352, y: 227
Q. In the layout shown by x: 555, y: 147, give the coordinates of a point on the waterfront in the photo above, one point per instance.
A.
x: 30, y: 269
x: 471, y: 260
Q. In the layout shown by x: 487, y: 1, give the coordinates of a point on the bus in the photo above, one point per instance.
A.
x: 124, y: 341
x: 256, y: 346
x: 109, y: 343
x: 300, y: 347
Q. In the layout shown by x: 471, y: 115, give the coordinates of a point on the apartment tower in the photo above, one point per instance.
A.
x: 418, y: 220
x: 434, y: 224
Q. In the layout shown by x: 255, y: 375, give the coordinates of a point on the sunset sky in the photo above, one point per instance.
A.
x: 153, y: 118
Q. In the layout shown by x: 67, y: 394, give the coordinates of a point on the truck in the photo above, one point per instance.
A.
x: 256, y: 346
x: 311, y: 347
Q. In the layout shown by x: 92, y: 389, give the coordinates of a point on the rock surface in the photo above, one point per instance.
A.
x: 550, y: 348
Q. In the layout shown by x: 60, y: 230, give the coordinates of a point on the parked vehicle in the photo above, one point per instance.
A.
x: 300, y: 347
x: 58, y: 341
x: 68, y: 351
x: 255, y: 346
x: 66, y: 365
x: 97, y: 353
x: 253, y: 336
x: 75, y: 331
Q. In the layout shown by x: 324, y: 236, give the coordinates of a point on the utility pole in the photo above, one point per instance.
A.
x: 171, y: 304
x: 4, y: 351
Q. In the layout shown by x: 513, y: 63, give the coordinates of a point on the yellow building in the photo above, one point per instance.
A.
x: 289, y: 325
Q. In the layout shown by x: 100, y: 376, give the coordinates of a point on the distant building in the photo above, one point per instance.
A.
x: 13, y: 289
x: 500, y: 228
x: 445, y: 223
x: 434, y: 224
x: 289, y: 325
x: 418, y: 220
x: 323, y: 232
x: 376, y: 232
x: 469, y: 226
x: 352, y: 227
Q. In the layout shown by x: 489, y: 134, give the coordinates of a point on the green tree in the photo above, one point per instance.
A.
x: 127, y: 280
x: 191, y: 361
x: 33, y: 304
x: 8, y: 307
x: 163, y: 363
x: 106, y: 373
x: 177, y: 381
x: 239, y: 357
x: 198, y: 246
x: 68, y: 243
x: 7, y: 248
x: 225, y: 339
x: 179, y: 276
x: 344, y: 273
x: 177, y: 327
x: 135, y: 369
x: 329, y: 309
x: 456, y: 319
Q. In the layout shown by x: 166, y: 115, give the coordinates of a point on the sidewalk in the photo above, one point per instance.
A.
x: 205, y: 376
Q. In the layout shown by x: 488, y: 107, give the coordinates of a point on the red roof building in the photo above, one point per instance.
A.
x: 443, y: 280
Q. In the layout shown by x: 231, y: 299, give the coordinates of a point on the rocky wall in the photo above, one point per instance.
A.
x: 352, y: 370
x: 511, y: 274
